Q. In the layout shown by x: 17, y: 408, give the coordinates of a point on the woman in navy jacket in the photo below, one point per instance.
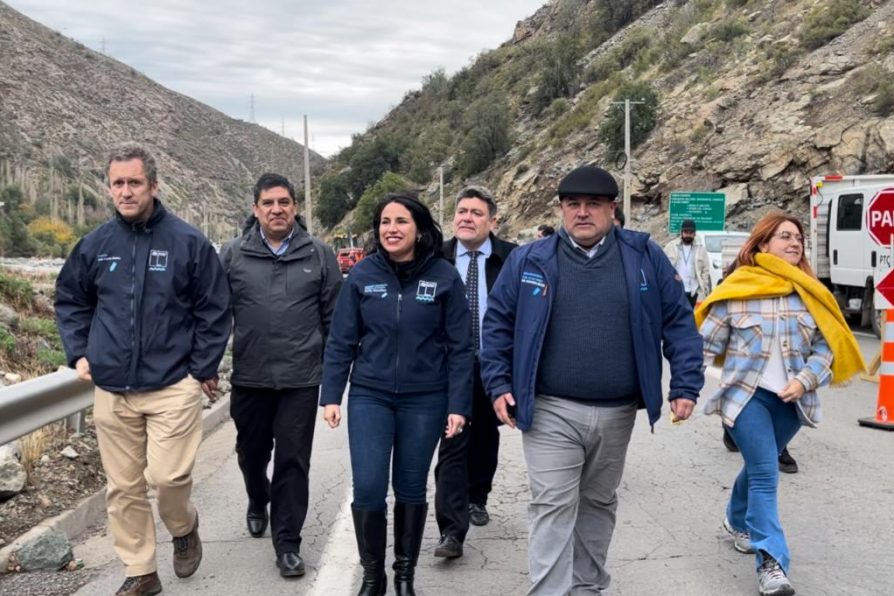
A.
x: 403, y: 322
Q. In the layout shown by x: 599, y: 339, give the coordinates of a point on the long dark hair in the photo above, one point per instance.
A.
x: 430, y: 237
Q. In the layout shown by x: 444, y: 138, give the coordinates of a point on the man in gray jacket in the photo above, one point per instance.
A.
x: 284, y: 283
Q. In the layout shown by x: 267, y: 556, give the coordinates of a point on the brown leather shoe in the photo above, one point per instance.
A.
x: 140, y: 585
x: 187, y: 552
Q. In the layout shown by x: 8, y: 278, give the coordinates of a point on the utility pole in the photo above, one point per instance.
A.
x: 308, y: 213
x: 627, y: 156
x: 441, y: 197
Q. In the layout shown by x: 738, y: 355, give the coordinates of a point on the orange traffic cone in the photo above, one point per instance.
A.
x: 884, y: 412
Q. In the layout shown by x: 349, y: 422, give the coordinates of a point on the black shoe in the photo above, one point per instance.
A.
x: 256, y: 520
x: 409, y: 523
x: 787, y: 463
x: 449, y: 547
x: 728, y: 441
x: 478, y: 515
x: 371, y: 527
x: 290, y: 564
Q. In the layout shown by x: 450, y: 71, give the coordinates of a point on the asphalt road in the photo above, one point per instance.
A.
x: 838, y: 512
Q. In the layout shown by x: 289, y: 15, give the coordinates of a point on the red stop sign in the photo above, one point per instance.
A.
x: 885, y: 287
x: 880, y: 217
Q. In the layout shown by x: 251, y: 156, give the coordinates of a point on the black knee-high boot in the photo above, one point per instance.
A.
x: 371, y: 528
x: 409, y: 522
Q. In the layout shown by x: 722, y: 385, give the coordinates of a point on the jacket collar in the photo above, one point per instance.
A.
x: 253, y: 243
x: 158, y: 213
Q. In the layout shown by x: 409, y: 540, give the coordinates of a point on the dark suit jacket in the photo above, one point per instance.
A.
x: 501, y: 250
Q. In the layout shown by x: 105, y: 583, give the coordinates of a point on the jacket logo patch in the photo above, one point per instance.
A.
x: 535, y: 279
x: 158, y: 260
x: 644, y: 285
x: 425, y: 292
x: 380, y: 290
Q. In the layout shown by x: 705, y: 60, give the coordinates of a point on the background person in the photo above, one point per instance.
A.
x: 467, y: 463
x: 544, y: 230
x: 402, y: 329
x: 690, y: 259
x: 148, y: 279
x: 284, y: 283
x: 781, y: 336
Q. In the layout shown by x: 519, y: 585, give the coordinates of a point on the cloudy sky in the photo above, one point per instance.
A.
x: 343, y: 63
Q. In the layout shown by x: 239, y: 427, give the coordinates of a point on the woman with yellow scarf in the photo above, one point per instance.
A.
x: 779, y: 335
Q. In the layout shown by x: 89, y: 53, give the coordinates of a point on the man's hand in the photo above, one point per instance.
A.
x: 681, y: 408
x: 793, y: 391
x: 455, y: 424
x: 209, y: 388
x: 83, y: 369
x: 332, y: 415
x: 501, y: 407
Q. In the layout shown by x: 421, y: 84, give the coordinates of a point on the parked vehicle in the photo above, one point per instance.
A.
x: 843, y: 254
x: 722, y: 248
x: 348, y: 257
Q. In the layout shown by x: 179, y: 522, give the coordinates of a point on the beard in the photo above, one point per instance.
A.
x: 687, y: 240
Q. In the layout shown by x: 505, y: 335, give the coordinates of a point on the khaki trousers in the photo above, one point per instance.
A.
x: 156, y: 432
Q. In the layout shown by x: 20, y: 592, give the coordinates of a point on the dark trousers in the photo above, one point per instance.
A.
x: 466, y: 466
x: 396, y: 431
x: 286, y: 418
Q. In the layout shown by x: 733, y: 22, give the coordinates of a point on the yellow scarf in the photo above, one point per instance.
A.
x: 771, y: 277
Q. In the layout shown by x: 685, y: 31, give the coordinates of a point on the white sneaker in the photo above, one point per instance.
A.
x: 741, y: 540
x: 772, y: 580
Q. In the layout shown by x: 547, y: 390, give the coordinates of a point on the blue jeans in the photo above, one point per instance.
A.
x: 399, y: 431
x: 763, y: 428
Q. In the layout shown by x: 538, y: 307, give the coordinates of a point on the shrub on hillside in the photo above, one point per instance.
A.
x: 55, y: 237
x: 333, y: 200
x: 559, y: 71
x: 487, y: 136
x: 366, y: 206
x: 827, y: 21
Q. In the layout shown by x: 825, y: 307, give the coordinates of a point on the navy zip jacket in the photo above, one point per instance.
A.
x: 409, y: 337
x: 518, y: 310
x: 147, y: 304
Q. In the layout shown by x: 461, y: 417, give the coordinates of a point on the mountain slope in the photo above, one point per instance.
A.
x: 63, y: 106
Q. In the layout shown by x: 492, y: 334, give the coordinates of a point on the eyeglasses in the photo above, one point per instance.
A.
x: 788, y: 237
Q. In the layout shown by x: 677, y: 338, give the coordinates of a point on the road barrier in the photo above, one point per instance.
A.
x: 884, y: 411
x: 30, y: 405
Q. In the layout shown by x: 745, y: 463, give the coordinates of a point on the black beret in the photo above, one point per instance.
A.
x: 588, y: 180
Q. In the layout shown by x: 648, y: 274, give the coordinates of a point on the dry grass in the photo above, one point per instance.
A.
x: 34, y: 445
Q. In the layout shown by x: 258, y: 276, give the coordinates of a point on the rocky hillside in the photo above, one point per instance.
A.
x: 753, y: 97
x: 62, y: 106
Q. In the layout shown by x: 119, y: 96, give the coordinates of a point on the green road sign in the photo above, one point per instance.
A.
x: 706, y: 209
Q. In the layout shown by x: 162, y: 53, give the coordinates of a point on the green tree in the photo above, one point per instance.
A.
x: 487, y: 134
x: 389, y: 182
x: 560, y: 72
x: 642, y: 118
x: 369, y: 161
x: 15, y: 241
x: 334, y: 199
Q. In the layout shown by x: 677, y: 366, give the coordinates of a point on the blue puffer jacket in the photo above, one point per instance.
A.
x: 408, y: 337
x: 518, y: 312
x: 147, y: 304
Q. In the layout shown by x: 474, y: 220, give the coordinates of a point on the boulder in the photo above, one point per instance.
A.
x: 9, y: 318
x: 12, y: 472
x: 50, y: 551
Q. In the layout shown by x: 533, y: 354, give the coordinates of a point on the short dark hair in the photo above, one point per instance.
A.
x: 268, y: 181
x: 479, y: 192
x: 129, y: 151
x: 546, y: 230
x: 430, y: 236
x: 619, y: 215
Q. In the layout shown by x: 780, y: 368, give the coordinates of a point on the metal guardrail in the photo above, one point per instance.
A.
x: 27, y: 406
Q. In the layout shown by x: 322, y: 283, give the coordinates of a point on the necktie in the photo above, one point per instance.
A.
x: 472, y: 296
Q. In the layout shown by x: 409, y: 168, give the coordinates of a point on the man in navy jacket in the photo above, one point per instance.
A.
x: 142, y: 305
x: 574, y: 332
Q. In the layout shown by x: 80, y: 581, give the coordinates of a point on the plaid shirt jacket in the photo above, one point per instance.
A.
x: 744, y: 331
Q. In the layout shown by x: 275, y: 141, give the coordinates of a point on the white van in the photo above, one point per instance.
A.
x: 715, y: 242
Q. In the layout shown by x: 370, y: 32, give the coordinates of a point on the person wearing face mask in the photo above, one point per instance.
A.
x: 402, y: 330
x: 690, y: 259
x: 779, y: 335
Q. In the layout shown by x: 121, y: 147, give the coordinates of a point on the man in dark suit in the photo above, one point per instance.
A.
x: 467, y: 462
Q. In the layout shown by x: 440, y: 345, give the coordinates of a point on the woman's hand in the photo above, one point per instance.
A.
x: 455, y: 424
x: 793, y: 391
x: 332, y: 415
